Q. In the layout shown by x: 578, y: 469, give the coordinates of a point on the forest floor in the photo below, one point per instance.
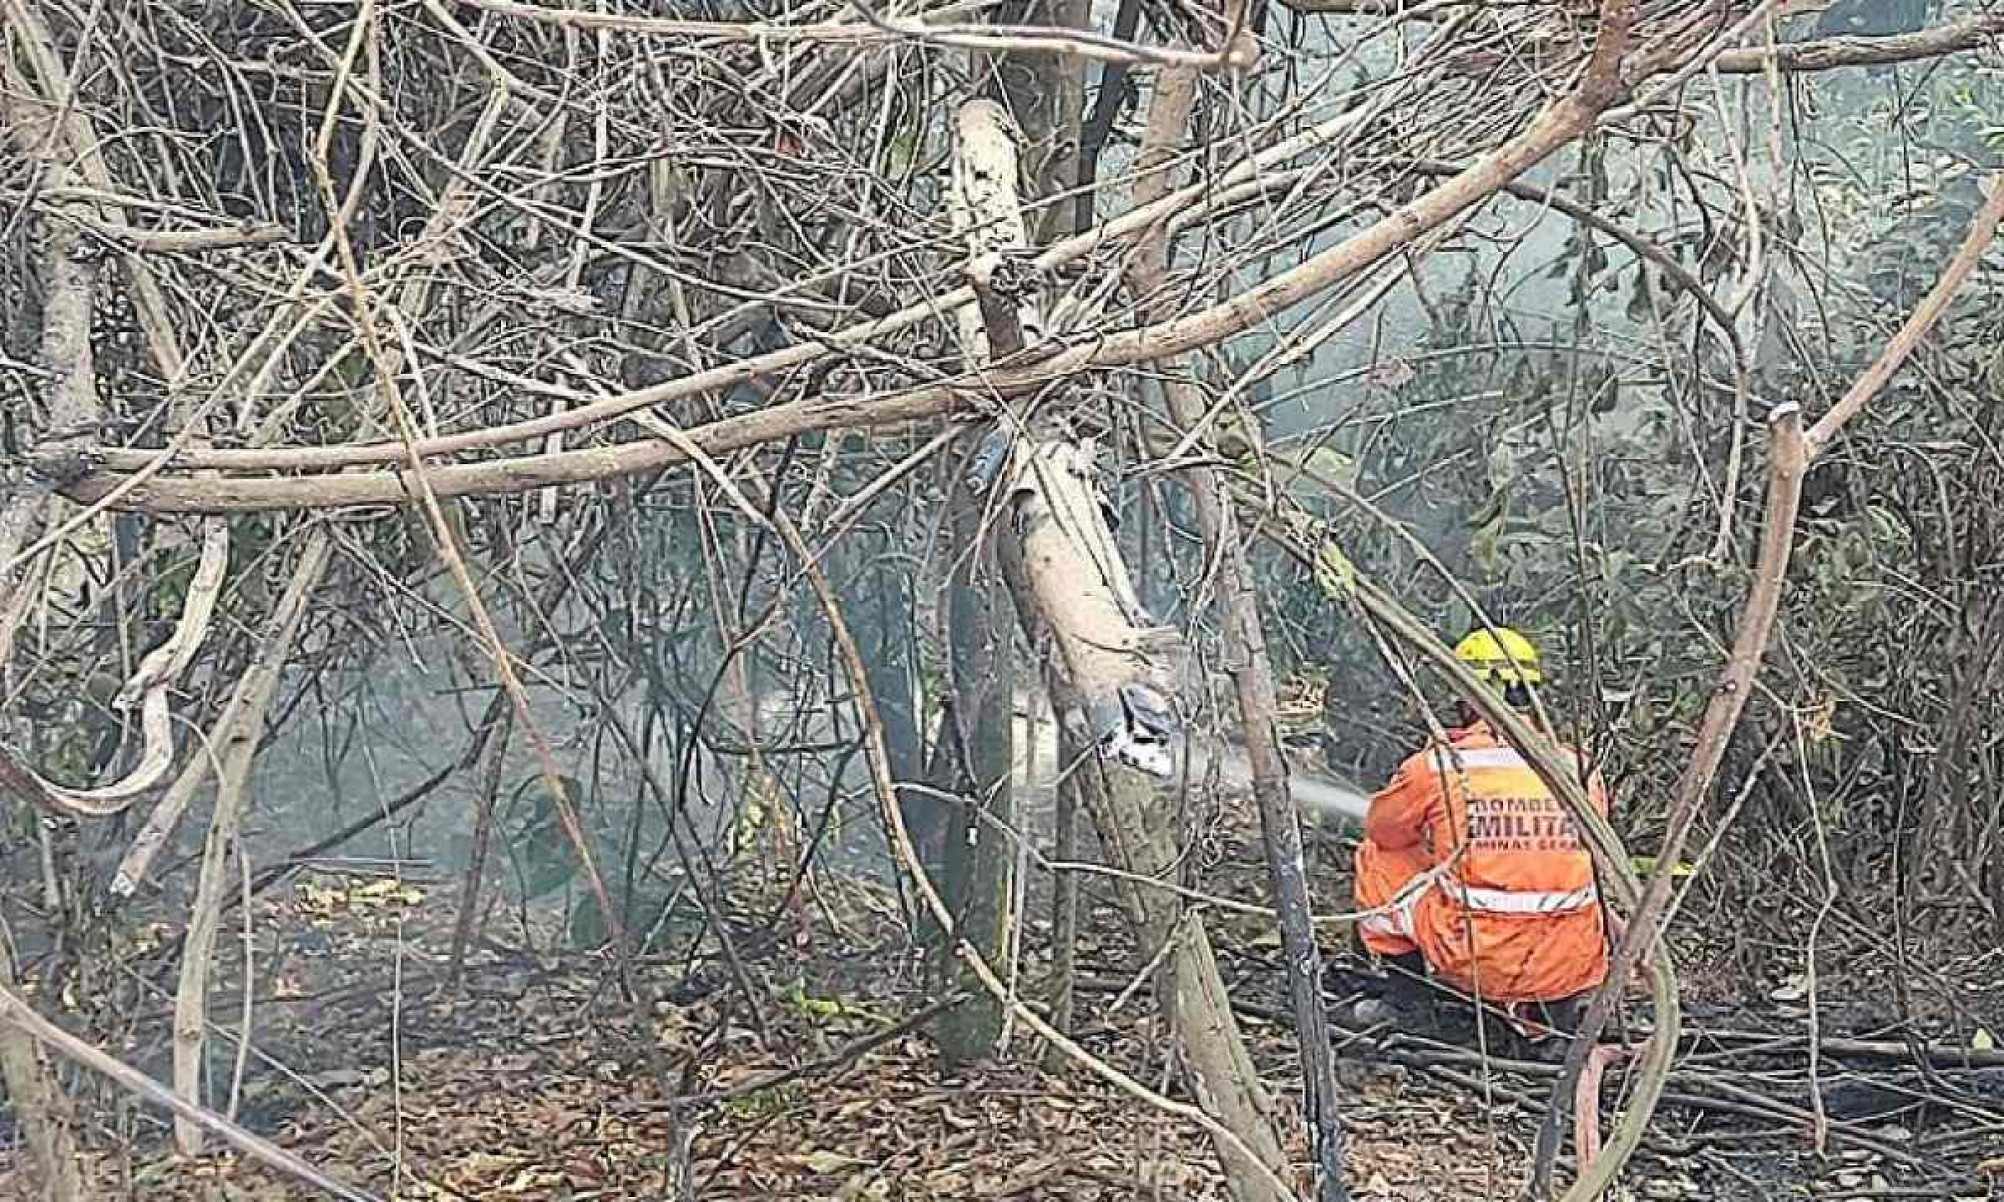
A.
x: 529, y: 1082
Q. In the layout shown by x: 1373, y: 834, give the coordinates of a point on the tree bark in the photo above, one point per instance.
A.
x: 978, y: 879
x: 238, y: 744
x: 979, y: 873
x: 1065, y: 890
x: 38, y: 1101
x: 1246, y: 660
x: 38, y: 107
x: 1045, y: 93
x: 1075, y: 603
x: 1110, y: 673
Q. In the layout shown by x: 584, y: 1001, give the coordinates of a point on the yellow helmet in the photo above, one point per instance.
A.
x: 1504, y: 656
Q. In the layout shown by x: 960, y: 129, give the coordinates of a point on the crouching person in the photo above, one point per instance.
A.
x: 1484, y: 882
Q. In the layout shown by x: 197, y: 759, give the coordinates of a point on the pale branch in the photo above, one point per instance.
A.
x: 238, y: 742
x: 1808, y: 56
x: 1404, y: 10
x: 1983, y: 230
x: 159, y: 827
x: 1106, y: 671
x: 988, y: 218
x: 1073, y: 594
x: 635, y: 984
x: 1973, y: 32
x: 148, y: 689
x: 47, y: 91
x: 21, y: 507
x: 1119, y: 662
x: 1307, y: 540
x: 876, y: 30
x: 43, y: 106
x: 45, y: 1115
x: 1201, y: 197
x: 178, y: 242
x: 1561, y: 123
x: 15, y: 1010
x: 981, y: 875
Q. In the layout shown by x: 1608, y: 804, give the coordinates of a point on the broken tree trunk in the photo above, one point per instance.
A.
x: 1045, y: 93
x: 978, y: 876
x: 1111, y: 673
x: 1246, y: 660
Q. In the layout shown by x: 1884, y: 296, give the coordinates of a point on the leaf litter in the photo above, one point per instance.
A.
x: 528, y: 1082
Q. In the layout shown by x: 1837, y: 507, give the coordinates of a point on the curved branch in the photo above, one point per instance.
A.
x: 1558, y: 126
x: 1404, y: 10
x: 148, y: 688
x: 1788, y: 457
x: 46, y: 104
x: 1643, y: 246
x: 877, y: 29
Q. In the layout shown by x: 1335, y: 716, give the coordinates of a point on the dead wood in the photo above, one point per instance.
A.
x: 1247, y: 661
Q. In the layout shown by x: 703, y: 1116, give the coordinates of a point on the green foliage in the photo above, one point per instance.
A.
x: 544, y: 856
x: 1576, y: 493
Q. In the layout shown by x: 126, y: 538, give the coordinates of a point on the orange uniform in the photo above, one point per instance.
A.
x: 1517, y: 918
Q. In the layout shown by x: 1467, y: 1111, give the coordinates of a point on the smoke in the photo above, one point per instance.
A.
x: 1323, y: 797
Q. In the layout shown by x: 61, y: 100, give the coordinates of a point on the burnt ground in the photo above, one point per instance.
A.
x: 529, y: 1081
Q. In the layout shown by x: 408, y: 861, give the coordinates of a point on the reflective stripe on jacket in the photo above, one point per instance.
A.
x: 1518, y: 916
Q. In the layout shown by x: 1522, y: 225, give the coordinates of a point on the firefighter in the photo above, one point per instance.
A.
x: 1487, y: 885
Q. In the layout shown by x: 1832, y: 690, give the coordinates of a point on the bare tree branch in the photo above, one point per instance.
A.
x: 1554, y: 128
x: 877, y: 29
x: 1791, y: 452
x: 1830, y: 54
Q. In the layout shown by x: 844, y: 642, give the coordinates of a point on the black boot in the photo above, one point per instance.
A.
x: 1558, y: 1021
x: 1402, y: 999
